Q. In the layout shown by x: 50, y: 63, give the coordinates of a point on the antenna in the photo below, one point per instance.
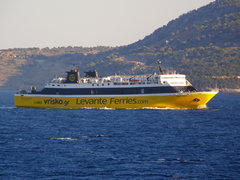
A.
x: 159, y: 67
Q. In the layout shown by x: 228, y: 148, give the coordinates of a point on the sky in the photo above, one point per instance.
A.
x: 87, y: 23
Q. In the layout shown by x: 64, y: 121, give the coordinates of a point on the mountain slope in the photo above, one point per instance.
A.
x: 216, y: 24
x: 204, y: 44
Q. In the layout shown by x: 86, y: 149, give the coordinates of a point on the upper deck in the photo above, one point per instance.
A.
x: 122, y: 81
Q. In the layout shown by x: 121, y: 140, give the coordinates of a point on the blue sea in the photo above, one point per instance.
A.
x: 110, y: 144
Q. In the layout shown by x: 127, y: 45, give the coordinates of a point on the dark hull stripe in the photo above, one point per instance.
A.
x: 112, y: 91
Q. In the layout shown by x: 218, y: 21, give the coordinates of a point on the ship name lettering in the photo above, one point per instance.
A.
x: 56, y: 101
x: 91, y: 101
x: 123, y: 101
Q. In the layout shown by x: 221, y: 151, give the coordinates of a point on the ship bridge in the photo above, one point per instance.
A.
x: 174, y: 79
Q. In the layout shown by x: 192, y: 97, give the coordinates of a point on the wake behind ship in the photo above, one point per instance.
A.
x: 117, y: 92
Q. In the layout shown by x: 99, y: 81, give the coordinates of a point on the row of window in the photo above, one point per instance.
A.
x: 112, y: 90
x: 126, y: 83
x: 96, y: 91
x: 108, y: 84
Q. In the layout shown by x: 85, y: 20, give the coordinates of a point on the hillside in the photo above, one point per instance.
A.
x: 204, y: 44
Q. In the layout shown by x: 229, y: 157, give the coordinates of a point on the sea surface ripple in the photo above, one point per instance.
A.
x: 120, y: 144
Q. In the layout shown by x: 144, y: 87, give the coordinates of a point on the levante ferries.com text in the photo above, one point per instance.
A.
x: 93, y: 101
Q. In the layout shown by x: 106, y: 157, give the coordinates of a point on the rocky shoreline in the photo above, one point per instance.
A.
x: 229, y: 90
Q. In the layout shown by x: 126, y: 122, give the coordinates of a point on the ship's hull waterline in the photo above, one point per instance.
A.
x: 193, y: 100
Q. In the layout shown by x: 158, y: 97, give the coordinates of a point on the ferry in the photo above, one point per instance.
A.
x: 157, y: 90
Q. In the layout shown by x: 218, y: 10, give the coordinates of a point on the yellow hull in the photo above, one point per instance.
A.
x: 176, y: 101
